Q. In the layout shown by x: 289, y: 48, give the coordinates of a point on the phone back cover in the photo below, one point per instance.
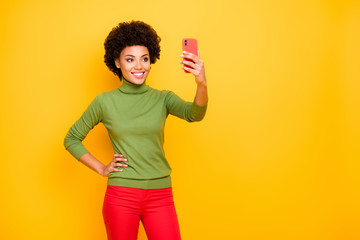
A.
x: 191, y: 46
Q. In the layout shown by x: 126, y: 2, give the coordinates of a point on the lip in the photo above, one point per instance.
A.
x: 138, y: 75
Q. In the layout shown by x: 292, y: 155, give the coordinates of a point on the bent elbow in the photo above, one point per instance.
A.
x: 196, y: 117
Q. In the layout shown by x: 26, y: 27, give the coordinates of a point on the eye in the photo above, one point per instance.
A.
x: 129, y: 60
x: 145, y: 59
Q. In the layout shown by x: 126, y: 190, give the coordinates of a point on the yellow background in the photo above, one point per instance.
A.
x: 276, y: 157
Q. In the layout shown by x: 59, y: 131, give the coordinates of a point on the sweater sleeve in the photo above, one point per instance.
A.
x: 190, y: 111
x: 89, y: 119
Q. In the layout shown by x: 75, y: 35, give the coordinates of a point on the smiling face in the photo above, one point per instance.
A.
x: 134, y: 63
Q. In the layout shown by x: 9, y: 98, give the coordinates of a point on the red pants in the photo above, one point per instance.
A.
x: 124, y: 207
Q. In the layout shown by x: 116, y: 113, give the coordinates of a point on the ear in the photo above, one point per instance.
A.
x: 117, y: 63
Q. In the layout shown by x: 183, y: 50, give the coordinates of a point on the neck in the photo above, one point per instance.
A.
x: 131, y: 88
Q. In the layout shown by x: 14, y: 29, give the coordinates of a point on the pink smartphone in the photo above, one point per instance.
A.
x: 190, y: 45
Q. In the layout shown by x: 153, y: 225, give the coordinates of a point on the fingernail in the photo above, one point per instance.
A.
x: 181, y: 55
x: 125, y: 159
x: 121, y: 170
x: 125, y: 165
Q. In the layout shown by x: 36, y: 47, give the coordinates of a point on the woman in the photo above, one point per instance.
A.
x: 139, y: 184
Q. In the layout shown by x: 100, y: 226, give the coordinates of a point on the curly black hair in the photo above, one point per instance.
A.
x: 128, y: 34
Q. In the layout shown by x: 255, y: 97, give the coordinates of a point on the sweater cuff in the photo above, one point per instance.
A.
x: 77, y: 150
x: 197, y: 107
x: 198, y: 112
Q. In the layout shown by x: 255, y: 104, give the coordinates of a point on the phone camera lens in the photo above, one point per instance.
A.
x: 185, y: 42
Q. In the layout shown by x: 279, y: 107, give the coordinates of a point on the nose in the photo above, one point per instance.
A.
x: 138, y: 64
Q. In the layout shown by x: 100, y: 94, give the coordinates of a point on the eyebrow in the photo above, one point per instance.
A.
x: 134, y: 56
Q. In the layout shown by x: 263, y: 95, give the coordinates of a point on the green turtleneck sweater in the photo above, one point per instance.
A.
x: 134, y: 116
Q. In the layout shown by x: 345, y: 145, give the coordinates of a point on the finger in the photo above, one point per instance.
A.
x: 189, y: 63
x: 119, y: 159
x: 120, y: 165
x: 118, y: 155
x: 110, y: 169
x: 185, y: 53
x: 117, y: 170
x: 195, y: 59
x: 191, y: 70
x: 190, y: 56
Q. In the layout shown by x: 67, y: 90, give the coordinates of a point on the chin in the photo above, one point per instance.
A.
x: 137, y: 81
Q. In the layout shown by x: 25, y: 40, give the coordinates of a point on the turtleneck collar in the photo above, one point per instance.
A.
x: 128, y: 87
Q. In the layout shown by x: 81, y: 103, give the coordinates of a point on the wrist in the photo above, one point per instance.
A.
x: 202, y: 84
x: 201, y: 80
x: 101, y: 170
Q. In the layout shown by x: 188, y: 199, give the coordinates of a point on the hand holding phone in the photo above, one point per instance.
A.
x: 192, y: 62
x: 190, y: 45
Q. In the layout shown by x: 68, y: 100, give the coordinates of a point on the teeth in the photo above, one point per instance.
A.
x: 138, y: 74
